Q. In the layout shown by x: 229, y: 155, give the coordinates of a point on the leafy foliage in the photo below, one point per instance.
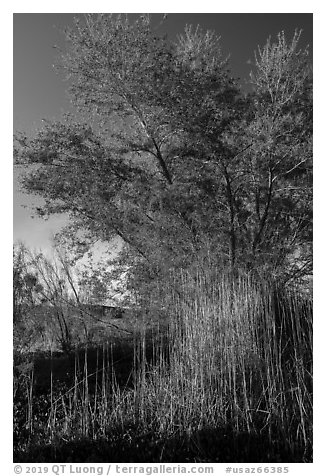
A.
x: 173, y: 158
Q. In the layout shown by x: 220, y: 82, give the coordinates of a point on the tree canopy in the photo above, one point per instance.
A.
x: 172, y: 155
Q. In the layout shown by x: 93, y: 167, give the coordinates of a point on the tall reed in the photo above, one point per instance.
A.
x: 236, y: 354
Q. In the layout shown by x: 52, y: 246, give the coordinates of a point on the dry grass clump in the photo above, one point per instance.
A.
x: 236, y: 355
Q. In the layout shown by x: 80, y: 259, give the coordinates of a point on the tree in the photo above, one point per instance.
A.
x: 281, y: 157
x: 26, y: 287
x: 268, y: 174
x: 173, y: 158
x: 26, y: 293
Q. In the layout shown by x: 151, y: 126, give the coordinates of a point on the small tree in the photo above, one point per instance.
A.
x: 27, y: 293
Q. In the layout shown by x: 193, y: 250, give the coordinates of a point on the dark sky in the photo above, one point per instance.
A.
x: 40, y: 92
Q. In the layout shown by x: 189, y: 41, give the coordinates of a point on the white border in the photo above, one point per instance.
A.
x: 316, y: 7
